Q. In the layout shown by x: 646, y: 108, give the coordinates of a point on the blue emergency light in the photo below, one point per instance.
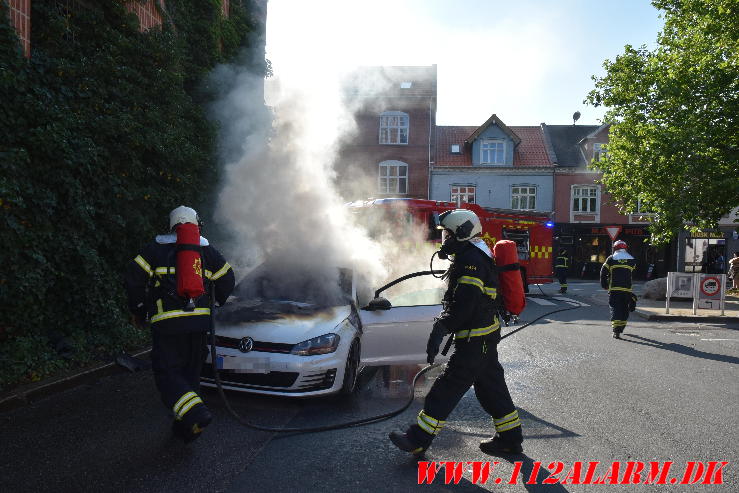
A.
x: 549, y: 224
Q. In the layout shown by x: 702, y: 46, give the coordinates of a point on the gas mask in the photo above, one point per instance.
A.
x: 449, y: 245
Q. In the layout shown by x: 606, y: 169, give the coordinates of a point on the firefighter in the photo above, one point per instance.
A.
x: 470, y: 315
x: 615, y: 276
x: 561, y: 265
x: 178, y: 331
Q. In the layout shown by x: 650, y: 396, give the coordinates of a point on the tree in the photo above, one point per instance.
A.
x: 674, y: 114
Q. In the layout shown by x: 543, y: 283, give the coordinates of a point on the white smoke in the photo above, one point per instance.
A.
x: 279, y: 201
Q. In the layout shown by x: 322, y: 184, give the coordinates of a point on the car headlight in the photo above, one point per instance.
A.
x: 327, y: 343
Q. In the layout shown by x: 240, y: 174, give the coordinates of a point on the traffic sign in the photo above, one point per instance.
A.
x: 710, y: 286
x: 613, y: 231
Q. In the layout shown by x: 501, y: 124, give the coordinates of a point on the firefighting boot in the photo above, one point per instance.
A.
x: 617, y: 335
x: 499, y: 446
x: 191, y: 426
x: 411, y: 440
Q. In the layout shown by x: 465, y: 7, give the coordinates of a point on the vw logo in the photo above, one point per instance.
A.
x: 246, y: 344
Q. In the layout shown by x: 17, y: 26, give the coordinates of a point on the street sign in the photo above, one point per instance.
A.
x: 710, y: 287
x: 679, y: 285
x: 613, y: 231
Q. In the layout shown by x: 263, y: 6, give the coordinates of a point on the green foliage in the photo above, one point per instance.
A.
x: 674, y: 139
x: 103, y: 132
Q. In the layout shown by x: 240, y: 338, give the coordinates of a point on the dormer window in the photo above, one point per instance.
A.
x: 394, y: 127
x: 455, y: 149
x: 492, y: 151
x: 599, y: 151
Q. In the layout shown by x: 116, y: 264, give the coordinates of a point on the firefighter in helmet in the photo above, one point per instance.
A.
x: 178, y: 330
x: 469, y: 314
x: 561, y: 266
x: 615, y: 276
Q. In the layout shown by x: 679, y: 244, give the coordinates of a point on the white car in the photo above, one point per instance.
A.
x: 294, y: 345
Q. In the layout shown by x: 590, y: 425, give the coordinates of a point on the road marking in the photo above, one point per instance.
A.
x: 540, y: 301
x: 719, y: 339
x: 570, y: 300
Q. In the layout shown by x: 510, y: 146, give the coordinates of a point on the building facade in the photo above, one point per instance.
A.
x: 493, y: 165
x: 390, y: 151
x: 587, y: 219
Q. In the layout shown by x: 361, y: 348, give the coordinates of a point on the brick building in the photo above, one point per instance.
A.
x: 389, y: 153
x: 20, y: 17
x: 584, y: 212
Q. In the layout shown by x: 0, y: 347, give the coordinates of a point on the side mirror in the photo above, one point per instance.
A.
x: 378, y: 304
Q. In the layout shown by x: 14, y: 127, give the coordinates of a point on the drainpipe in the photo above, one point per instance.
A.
x: 428, y: 180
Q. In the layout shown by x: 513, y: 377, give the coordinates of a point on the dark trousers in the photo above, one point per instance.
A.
x: 177, y: 361
x: 474, y: 362
x: 562, y: 276
x: 619, y: 303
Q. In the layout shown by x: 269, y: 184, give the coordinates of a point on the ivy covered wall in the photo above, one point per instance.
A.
x: 102, y: 132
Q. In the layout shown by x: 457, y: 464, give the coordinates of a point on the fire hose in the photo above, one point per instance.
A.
x: 347, y: 424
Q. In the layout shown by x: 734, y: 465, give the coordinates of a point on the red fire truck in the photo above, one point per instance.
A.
x: 532, y: 231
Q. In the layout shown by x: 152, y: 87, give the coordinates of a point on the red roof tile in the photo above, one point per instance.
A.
x: 445, y: 137
x: 531, y: 151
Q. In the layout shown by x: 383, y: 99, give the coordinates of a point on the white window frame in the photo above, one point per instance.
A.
x: 455, y: 149
x: 599, y: 151
x: 394, y: 128
x: 462, y: 192
x: 385, y: 178
x: 525, y: 195
x: 595, y: 189
x: 640, y: 216
x: 499, y: 146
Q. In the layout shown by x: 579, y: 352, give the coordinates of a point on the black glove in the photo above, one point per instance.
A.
x: 435, y: 339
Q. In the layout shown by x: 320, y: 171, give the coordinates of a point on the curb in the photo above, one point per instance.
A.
x: 28, y: 394
x: 686, y: 318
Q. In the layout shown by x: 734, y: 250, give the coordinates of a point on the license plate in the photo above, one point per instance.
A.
x: 242, y: 365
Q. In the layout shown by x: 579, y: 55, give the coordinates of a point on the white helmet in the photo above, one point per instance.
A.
x: 462, y: 223
x: 182, y: 215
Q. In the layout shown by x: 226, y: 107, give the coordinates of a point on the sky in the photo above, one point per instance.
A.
x: 527, y: 61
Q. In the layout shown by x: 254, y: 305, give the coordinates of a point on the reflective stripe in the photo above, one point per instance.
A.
x: 221, y: 272
x: 508, y: 426
x: 623, y: 266
x: 492, y: 292
x: 483, y: 331
x: 474, y: 281
x: 177, y: 313
x: 165, y: 270
x: 507, y: 422
x: 143, y: 264
x: 628, y: 290
x: 190, y: 404
x: 185, y: 397
x: 428, y: 424
x: 506, y: 418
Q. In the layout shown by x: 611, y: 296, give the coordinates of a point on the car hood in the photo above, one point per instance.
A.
x: 286, y: 322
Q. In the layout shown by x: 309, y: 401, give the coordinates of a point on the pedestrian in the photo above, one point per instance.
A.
x: 719, y: 262
x: 470, y: 315
x: 178, y: 328
x: 561, y: 266
x: 615, y: 276
x: 734, y: 270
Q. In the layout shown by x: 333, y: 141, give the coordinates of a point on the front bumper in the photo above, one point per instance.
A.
x: 278, y: 374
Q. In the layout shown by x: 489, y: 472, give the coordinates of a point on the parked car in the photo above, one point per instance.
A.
x: 297, y: 344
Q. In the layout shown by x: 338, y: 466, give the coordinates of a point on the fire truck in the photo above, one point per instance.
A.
x: 532, y: 231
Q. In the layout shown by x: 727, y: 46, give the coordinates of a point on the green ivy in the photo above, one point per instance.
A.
x: 103, y: 131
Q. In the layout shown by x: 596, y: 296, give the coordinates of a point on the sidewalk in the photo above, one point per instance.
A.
x: 680, y: 310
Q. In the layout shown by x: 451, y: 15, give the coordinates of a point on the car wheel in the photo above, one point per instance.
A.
x: 351, y: 370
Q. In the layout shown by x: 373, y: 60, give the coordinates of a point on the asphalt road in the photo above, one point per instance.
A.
x: 667, y: 392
